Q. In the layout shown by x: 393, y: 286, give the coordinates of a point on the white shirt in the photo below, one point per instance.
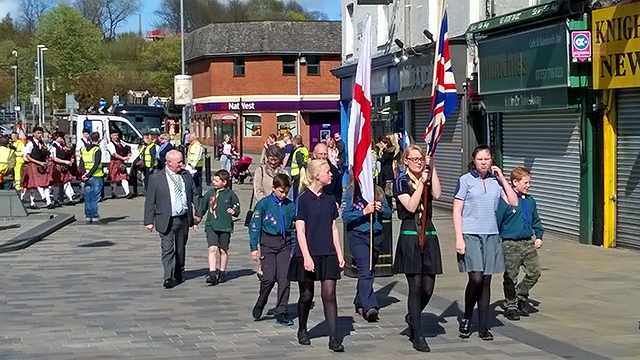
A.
x: 226, y: 149
x: 53, y: 151
x: 178, y: 204
x: 82, y: 144
x: 111, y: 148
x: 28, y: 149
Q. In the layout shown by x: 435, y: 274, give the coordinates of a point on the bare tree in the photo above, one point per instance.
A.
x: 31, y: 11
x: 108, y: 15
x: 169, y: 14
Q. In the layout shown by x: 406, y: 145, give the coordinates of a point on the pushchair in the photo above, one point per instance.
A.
x: 240, y: 170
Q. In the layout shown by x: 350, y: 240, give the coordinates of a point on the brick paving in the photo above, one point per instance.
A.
x: 95, y: 292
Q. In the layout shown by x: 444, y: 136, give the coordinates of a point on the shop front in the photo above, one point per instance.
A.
x: 616, y: 72
x: 415, y: 86
x: 539, y: 122
x: 251, y: 121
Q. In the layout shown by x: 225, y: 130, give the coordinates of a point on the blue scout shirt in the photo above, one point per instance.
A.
x: 520, y: 222
x: 481, y: 198
x: 354, y: 218
x: 273, y: 217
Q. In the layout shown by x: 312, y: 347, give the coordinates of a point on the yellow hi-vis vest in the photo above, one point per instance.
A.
x: 295, y: 167
x: 5, y: 155
x: 88, y: 157
x: 149, y: 160
x: 194, y: 149
x: 19, y: 146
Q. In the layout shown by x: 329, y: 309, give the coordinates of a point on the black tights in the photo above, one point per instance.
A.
x: 329, y: 304
x: 478, y: 291
x: 420, y: 292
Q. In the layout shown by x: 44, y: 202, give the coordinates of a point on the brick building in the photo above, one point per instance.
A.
x: 270, y: 76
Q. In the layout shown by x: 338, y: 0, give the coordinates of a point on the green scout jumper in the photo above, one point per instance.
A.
x: 272, y: 217
x: 223, y: 221
x: 516, y: 226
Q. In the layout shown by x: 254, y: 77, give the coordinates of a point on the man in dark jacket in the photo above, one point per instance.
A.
x: 163, y: 149
x: 320, y: 151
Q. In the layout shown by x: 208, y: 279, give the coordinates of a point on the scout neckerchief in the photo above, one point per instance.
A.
x: 213, y: 204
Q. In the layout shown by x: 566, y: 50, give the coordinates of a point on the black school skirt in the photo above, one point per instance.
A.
x: 412, y: 259
x: 326, y: 268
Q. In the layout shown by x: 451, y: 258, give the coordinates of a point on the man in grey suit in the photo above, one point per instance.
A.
x: 168, y: 208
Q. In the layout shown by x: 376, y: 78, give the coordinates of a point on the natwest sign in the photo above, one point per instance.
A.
x: 238, y: 105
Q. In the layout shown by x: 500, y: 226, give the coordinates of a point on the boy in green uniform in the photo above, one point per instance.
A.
x: 221, y: 203
x: 517, y: 226
x: 273, y: 227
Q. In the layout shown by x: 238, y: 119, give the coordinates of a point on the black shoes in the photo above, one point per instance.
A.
x: 485, y: 335
x: 114, y: 196
x: 169, y: 283
x: 420, y: 344
x: 222, y: 277
x: 284, y: 320
x: 257, y: 313
x: 371, y: 315
x: 522, y: 308
x: 130, y: 196
x: 465, y: 328
x: 335, y: 345
x: 51, y: 206
x: 512, y: 314
x: 34, y: 207
x: 303, y: 338
x: 212, y: 279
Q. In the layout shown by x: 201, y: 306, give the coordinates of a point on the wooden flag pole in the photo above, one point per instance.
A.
x: 371, y: 242
x: 423, y: 219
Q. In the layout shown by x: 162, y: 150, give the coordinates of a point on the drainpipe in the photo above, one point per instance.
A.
x: 299, y: 99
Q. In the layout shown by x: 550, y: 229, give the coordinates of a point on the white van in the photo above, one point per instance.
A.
x: 105, y: 125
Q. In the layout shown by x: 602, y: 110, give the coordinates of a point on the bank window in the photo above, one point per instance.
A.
x: 252, y: 125
x: 238, y: 66
x: 313, y: 65
x: 286, y: 122
x: 289, y: 65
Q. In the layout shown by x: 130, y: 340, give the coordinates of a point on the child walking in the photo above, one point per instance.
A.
x: 318, y: 256
x: 517, y: 225
x: 478, y: 243
x: 272, y: 227
x: 220, y: 204
x: 356, y: 214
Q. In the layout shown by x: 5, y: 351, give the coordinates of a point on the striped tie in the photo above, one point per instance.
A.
x: 177, y: 189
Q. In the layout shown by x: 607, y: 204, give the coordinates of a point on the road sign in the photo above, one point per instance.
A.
x: 581, y: 46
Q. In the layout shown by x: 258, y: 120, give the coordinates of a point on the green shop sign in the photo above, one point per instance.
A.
x: 529, y: 60
x: 517, y: 17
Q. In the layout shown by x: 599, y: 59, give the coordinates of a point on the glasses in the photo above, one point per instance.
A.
x: 416, y: 159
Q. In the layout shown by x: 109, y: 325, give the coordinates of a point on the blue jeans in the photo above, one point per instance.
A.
x: 92, y: 190
x: 6, y: 185
x: 225, y: 162
x: 359, y: 245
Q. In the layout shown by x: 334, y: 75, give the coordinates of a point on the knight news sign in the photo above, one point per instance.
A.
x: 616, y: 47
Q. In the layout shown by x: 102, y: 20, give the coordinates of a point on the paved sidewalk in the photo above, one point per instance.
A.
x: 95, y: 291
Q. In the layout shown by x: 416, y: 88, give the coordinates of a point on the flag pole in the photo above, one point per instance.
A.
x: 371, y: 241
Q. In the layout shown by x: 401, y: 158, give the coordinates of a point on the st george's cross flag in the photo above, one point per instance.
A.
x: 359, y: 137
x: 444, y: 98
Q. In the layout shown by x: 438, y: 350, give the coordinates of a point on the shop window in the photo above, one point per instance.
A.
x: 313, y: 65
x: 289, y: 65
x: 252, y: 125
x: 238, y: 66
x: 286, y: 122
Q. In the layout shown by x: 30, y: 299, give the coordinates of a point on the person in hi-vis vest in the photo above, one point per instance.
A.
x: 299, y: 160
x: 196, y: 161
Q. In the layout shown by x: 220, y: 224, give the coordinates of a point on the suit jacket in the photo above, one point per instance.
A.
x: 157, y: 203
x: 162, y: 158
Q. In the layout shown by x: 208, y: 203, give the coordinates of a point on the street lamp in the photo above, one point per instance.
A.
x: 16, y: 107
x: 184, y: 107
x: 41, y: 49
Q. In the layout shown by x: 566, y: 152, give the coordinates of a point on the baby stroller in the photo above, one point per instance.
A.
x: 240, y: 170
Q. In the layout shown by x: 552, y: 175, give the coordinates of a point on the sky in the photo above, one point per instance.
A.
x: 329, y: 7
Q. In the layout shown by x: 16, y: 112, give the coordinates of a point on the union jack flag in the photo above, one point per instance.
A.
x: 444, y: 98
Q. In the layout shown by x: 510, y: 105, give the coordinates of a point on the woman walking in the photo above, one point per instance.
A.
x: 419, y: 262
x: 263, y: 177
x: 478, y: 241
x: 318, y: 256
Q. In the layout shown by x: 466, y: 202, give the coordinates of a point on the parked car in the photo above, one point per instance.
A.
x: 5, y: 131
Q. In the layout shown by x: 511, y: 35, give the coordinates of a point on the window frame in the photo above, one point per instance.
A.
x: 286, y: 65
x: 313, y: 65
x: 245, y: 127
x: 239, y: 66
x: 294, y: 130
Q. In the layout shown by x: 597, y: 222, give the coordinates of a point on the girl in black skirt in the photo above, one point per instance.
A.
x: 318, y: 256
x: 420, y: 264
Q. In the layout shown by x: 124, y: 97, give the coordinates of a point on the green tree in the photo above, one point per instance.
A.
x: 161, y: 62
x: 75, y: 49
x: 125, y: 55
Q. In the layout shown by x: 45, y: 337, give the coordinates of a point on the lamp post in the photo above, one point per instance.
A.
x: 184, y: 107
x: 41, y: 49
x: 16, y: 107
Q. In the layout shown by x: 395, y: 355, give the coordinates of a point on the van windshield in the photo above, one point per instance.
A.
x: 127, y: 134
x: 144, y: 118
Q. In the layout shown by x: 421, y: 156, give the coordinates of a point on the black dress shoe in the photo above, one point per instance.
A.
x: 371, y: 315
x: 420, y: 344
x: 130, y: 196
x: 212, y: 279
x: 522, y: 308
x: 114, y: 196
x: 303, y: 337
x: 169, y: 283
x: 485, y: 334
x: 257, y: 313
x: 34, y: 207
x: 51, y: 206
x: 512, y: 314
x: 465, y: 328
x: 335, y: 345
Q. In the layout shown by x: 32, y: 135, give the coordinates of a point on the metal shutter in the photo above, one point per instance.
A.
x: 548, y: 144
x: 628, y: 169
x: 448, y: 155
